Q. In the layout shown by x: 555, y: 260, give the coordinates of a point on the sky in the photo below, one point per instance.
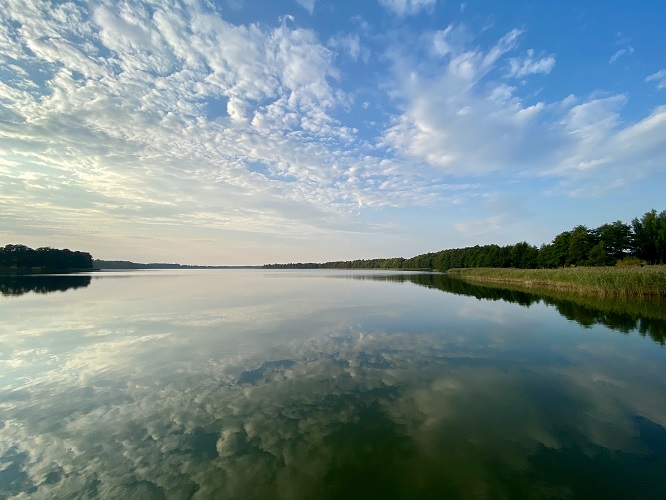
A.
x: 246, y: 132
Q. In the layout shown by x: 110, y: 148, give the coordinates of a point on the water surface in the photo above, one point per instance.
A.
x: 317, y: 384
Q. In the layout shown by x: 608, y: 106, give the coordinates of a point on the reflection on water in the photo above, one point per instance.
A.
x: 348, y: 389
x: 646, y: 316
x: 18, y: 285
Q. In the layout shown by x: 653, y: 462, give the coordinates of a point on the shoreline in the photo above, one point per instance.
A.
x: 630, y: 282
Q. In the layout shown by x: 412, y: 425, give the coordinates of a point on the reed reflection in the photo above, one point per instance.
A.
x: 645, y: 316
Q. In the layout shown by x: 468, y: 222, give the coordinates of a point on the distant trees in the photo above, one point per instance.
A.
x: 521, y: 255
x: 20, y: 258
x: 643, y: 240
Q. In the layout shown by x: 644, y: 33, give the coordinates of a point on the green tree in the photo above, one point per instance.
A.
x: 524, y: 256
x: 616, y: 239
x: 649, y: 242
x: 581, y: 241
x: 557, y: 253
x: 598, y: 256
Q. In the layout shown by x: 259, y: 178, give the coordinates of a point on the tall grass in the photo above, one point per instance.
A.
x: 648, y: 281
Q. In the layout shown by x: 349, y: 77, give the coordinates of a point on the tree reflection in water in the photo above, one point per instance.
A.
x: 19, y: 285
x: 645, y: 316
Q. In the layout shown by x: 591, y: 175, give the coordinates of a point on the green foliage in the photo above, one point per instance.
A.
x: 561, y: 248
x: 630, y: 261
x: 581, y: 243
x: 598, y: 256
x: 616, y: 239
x: 607, y: 244
x: 650, y: 237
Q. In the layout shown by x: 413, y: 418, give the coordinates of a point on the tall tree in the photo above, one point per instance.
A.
x: 581, y: 242
x: 650, y: 237
x: 524, y: 255
x: 616, y: 239
x: 556, y: 254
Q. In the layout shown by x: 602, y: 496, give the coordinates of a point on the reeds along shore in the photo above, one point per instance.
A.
x: 648, y: 281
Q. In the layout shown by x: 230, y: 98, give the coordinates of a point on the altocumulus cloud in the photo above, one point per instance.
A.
x: 106, y: 108
x: 159, y: 119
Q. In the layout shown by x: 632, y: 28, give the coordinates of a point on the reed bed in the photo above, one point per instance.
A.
x: 647, y: 281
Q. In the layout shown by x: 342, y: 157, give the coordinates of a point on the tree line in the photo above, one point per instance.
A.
x: 642, y: 241
x: 20, y: 259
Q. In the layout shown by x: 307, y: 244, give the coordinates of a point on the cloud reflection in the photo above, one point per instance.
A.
x: 341, y: 414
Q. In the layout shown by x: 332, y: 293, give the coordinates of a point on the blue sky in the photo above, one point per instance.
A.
x: 251, y: 132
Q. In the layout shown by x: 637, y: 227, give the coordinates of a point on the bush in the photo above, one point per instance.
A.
x: 629, y: 262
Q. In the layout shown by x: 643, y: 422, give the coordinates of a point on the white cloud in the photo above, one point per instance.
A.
x: 453, y: 39
x: 457, y: 121
x: 351, y: 45
x: 659, y: 77
x: 528, y: 65
x: 167, y: 117
x: 462, y: 121
x: 111, y: 132
x: 621, y: 52
x: 307, y: 5
x: 408, y: 7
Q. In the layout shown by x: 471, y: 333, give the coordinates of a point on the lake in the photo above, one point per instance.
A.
x: 324, y: 384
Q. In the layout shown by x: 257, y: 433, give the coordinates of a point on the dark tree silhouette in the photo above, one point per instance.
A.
x: 22, y: 259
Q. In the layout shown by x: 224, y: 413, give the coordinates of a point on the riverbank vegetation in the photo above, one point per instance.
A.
x: 648, y: 281
x: 641, y: 242
x: 20, y: 259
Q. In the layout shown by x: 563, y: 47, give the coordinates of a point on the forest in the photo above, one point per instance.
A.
x: 616, y: 243
x: 18, y: 259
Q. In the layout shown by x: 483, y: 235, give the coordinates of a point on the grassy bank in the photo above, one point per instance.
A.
x: 648, y: 281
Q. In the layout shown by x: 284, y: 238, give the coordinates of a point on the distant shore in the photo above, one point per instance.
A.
x: 126, y: 265
x: 647, y: 281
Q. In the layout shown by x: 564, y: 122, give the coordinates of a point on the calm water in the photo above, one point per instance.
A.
x: 311, y: 384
